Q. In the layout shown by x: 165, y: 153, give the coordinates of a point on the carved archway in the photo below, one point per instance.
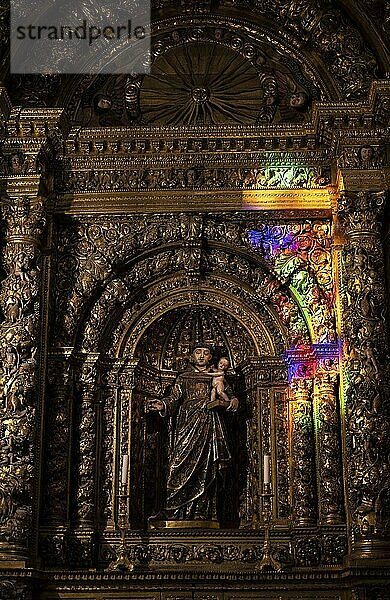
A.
x: 273, y: 278
x: 145, y: 366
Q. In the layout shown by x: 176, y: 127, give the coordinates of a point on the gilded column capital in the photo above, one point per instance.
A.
x: 302, y: 390
x: 300, y: 363
x: 86, y: 375
x: 360, y: 214
x: 24, y: 217
x: 126, y: 375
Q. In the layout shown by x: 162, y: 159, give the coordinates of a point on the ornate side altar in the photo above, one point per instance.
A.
x: 128, y: 235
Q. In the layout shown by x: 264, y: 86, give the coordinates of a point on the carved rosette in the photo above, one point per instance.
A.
x: 19, y: 300
x: 366, y: 371
x: 302, y: 452
x: 328, y: 447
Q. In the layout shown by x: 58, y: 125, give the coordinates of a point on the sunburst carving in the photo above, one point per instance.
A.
x: 201, y: 84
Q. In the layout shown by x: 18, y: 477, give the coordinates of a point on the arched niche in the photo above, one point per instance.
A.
x: 236, y: 277
x: 152, y: 350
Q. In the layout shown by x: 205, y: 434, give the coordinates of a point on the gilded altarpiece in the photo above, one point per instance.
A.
x: 282, y: 270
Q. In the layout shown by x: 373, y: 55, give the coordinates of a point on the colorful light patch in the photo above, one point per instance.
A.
x: 299, y: 254
x: 304, y: 362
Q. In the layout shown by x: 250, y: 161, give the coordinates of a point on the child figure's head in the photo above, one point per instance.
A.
x: 223, y: 364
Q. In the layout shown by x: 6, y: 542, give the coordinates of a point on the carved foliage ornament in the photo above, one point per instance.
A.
x: 300, y: 255
x: 92, y: 251
x: 302, y: 451
x: 328, y: 446
x: 196, y: 177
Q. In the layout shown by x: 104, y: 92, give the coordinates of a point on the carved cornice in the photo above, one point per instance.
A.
x: 274, y: 203
x: 260, y: 162
x: 249, y: 166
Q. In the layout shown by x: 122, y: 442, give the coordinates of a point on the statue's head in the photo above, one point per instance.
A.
x: 102, y: 103
x: 201, y: 355
x: 366, y: 153
x: 299, y: 101
x: 223, y: 363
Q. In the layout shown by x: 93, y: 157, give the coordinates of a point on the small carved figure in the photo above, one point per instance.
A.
x: 294, y: 105
x: 365, y: 156
x: 102, y: 103
x: 22, y: 266
x: 17, y: 164
x: 12, y: 309
x: 298, y: 100
x: 11, y: 360
x: 370, y: 356
x: 15, y: 399
x: 6, y: 448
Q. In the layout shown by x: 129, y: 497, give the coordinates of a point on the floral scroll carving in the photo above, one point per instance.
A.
x: 300, y: 256
x: 302, y: 452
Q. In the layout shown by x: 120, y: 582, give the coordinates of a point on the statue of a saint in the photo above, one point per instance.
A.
x: 200, y: 453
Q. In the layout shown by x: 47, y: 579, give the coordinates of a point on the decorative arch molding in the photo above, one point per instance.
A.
x: 118, y: 298
x: 204, y: 297
x: 293, y: 282
x: 338, y: 76
x: 111, y: 321
x: 97, y: 274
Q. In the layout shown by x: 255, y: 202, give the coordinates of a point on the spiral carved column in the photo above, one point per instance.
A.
x: 87, y: 443
x: 365, y: 372
x: 19, y: 334
x: 328, y: 446
x: 302, y: 452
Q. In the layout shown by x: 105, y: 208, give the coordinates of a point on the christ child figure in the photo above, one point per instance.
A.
x: 218, y: 383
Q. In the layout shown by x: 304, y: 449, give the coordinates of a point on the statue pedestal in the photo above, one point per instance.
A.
x: 200, y: 524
